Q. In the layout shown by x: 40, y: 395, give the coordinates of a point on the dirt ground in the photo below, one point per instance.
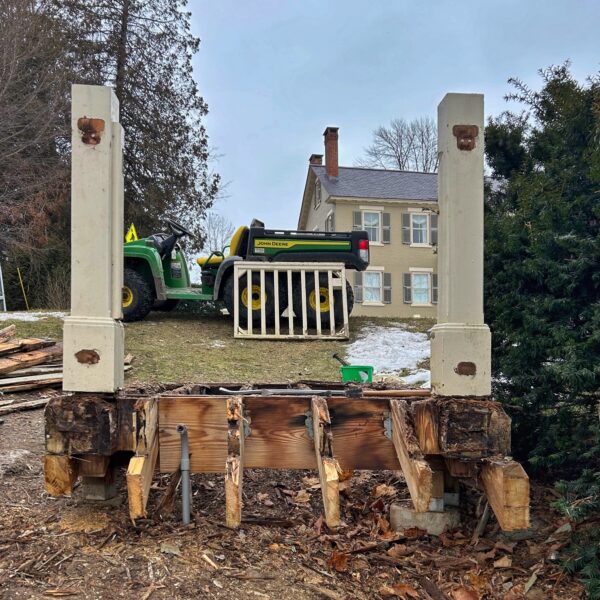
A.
x: 67, y: 548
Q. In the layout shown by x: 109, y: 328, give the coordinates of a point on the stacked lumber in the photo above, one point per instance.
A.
x: 28, y: 363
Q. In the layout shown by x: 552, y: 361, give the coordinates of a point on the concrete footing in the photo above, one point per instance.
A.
x: 404, y: 516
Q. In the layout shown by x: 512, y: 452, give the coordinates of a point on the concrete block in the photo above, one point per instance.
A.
x: 404, y: 516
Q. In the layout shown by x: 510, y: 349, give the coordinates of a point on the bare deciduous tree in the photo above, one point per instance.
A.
x: 403, y: 145
x: 217, y: 231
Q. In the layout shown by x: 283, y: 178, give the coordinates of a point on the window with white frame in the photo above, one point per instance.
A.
x: 420, y: 287
x: 419, y: 228
x: 372, y: 286
x: 317, y: 195
x: 372, y: 225
x: 330, y: 222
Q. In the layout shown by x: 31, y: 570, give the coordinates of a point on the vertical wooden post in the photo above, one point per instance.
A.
x: 329, y: 468
x: 234, y: 465
x: 93, y: 339
x: 460, y: 342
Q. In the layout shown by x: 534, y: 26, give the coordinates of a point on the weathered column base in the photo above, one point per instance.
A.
x: 404, y: 516
x: 93, y: 354
x: 460, y: 360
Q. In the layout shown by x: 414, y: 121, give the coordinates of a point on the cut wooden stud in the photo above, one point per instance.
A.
x: 417, y: 473
x: 328, y: 466
x: 234, y: 465
x: 93, y: 465
x: 506, y: 486
x: 139, y: 480
x: 60, y: 474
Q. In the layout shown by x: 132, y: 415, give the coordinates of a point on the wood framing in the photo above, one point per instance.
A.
x: 60, y: 474
x: 327, y: 465
x: 139, y: 479
x: 506, y: 486
x: 234, y: 465
x: 416, y: 471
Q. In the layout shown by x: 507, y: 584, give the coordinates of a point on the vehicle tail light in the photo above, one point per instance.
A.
x: 363, y: 250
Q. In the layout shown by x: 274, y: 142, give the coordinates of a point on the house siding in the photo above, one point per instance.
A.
x: 395, y: 258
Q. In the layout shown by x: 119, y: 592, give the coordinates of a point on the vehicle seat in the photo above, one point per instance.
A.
x: 234, y: 248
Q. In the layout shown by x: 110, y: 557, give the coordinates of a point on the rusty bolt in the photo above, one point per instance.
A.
x: 87, y: 357
x: 466, y: 368
x: 91, y: 130
x: 465, y: 136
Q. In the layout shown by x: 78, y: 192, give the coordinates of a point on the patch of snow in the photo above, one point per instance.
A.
x: 392, y: 349
x: 217, y: 344
x: 30, y: 316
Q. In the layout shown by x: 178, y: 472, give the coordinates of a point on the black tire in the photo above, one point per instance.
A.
x: 228, y: 297
x: 166, y: 305
x: 138, y: 296
x: 311, y: 307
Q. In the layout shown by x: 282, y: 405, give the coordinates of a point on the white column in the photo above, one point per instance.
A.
x: 460, y: 342
x: 93, y: 338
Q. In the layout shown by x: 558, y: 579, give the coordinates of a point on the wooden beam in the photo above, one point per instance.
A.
x: 139, y: 479
x: 417, y: 472
x: 14, y: 362
x: 93, y: 465
x: 280, y: 438
x: 24, y: 345
x: 328, y: 466
x: 8, y: 332
x: 60, y: 474
x: 506, y: 486
x: 234, y: 465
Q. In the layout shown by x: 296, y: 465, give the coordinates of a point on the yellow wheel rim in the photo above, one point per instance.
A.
x: 256, y: 297
x: 127, y: 297
x: 323, y: 299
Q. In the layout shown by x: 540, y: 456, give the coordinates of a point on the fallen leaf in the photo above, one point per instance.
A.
x: 319, y: 525
x: 311, y: 482
x: 264, y: 499
x: 503, y: 563
x: 530, y: 583
x: 338, y: 561
x: 302, y: 496
x: 172, y: 549
x: 274, y: 547
x: 464, y: 594
x: 345, y: 474
x: 384, y: 490
x: 383, y: 525
x: 414, y: 532
x: 399, y: 551
x: 478, y: 582
x: 506, y: 547
x: 399, y: 590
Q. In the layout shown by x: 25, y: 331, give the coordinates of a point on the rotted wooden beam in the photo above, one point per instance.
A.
x: 328, y: 466
x: 234, y: 465
x: 416, y: 470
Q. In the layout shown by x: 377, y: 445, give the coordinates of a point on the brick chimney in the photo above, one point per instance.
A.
x: 315, y: 159
x: 331, y: 151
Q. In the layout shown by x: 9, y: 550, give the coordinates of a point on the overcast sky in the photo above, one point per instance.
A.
x: 275, y: 73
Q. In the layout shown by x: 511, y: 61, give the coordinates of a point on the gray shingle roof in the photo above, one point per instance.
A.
x: 358, y: 182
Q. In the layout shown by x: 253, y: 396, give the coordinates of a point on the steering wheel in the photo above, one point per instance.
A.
x: 178, y: 229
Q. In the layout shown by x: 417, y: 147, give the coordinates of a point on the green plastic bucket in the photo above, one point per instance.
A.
x: 360, y: 373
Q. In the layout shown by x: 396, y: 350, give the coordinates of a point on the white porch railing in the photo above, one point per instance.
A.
x: 287, y: 280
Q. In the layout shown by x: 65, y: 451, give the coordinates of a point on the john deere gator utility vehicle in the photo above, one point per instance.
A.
x: 156, y: 273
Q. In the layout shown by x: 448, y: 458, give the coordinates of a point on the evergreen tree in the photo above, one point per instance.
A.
x: 145, y: 49
x: 543, y: 270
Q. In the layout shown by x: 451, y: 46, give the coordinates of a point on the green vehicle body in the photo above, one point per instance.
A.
x: 166, y: 274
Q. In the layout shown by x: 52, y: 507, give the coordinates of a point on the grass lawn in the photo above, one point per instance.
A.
x: 191, y: 348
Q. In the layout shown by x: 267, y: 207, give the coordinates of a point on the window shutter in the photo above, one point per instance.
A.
x: 357, y: 221
x: 434, y: 288
x: 406, y: 228
x: 433, y: 229
x: 387, y: 288
x: 358, y: 288
x: 386, y: 228
x: 407, y: 288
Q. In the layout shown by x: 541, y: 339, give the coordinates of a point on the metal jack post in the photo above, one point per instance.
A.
x: 185, y: 474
